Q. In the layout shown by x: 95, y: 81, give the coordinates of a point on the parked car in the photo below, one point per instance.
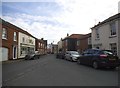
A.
x: 72, y: 55
x: 99, y: 58
x: 60, y: 55
x: 32, y: 55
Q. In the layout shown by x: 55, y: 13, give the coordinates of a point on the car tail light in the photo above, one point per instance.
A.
x: 103, y: 55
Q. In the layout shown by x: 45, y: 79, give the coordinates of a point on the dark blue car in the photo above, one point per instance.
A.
x: 99, y: 58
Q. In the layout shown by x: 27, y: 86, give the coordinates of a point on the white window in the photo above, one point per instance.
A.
x: 113, y: 47
x: 15, y: 36
x: 112, y: 29
x: 78, y: 42
x: 4, y: 33
x: 97, y: 33
x: 39, y: 45
x: 89, y: 41
x: 43, y: 46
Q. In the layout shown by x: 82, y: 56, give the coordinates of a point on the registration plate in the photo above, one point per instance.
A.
x: 112, y: 59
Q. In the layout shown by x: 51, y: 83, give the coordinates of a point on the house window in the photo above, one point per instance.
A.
x: 30, y: 41
x: 23, y: 39
x: 89, y: 40
x: 15, y: 36
x: 97, y: 33
x: 66, y: 42
x: 43, y: 45
x: 78, y: 42
x: 112, y: 29
x: 39, y: 45
x: 23, y: 50
x: 4, y: 33
x: 113, y: 47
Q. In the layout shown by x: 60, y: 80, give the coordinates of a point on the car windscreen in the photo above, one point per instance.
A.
x: 75, y: 53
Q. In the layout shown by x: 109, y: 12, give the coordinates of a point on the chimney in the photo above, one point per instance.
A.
x: 41, y: 38
x: 67, y: 34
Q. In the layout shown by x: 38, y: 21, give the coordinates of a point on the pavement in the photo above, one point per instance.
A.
x: 12, y: 61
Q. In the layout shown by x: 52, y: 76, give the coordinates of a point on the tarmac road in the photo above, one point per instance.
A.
x: 49, y: 71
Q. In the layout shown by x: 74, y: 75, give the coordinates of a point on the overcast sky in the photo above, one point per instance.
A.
x: 53, y: 19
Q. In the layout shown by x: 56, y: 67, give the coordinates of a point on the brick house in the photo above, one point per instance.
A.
x: 15, y: 41
x: 69, y: 43
x: 45, y: 47
x: 84, y: 43
x: 106, y: 34
x: 41, y: 46
x: 9, y: 38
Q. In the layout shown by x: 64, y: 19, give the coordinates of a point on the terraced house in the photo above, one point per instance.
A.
x: 77, y: 42
x: 9, y: 36
x: 26, y: 43
x: 16, y: 42
x: 41, y: 46
x: 106, y: 34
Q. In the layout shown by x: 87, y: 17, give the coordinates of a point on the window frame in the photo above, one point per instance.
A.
x: 97, y: 33
x: 113, y: 48
x: 4, y: 33
x: 15, y: 36
x: 113, y: 29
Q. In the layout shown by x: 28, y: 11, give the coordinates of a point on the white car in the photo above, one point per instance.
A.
x: 72, y: 55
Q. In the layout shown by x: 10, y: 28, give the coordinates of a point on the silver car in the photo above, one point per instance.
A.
x: 32, y: 55
x: 72, y: 55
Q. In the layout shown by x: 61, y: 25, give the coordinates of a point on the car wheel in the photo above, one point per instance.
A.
x: 37, y: 57
x: 57, y: 56
x: 95, y: 64
x: 78, y: 61
x: 71, y: 59
x: 34, y: 58
x: 65, y: 58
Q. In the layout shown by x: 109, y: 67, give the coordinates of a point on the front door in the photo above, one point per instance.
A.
x: 14, y: 52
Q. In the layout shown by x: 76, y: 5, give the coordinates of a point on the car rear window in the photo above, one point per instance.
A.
x: 107, y: 52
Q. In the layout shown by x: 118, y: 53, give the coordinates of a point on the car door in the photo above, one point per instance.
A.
x: 90, y: 56
x: 67, y: 55
x: 83, y: 58
x: 87, y: 57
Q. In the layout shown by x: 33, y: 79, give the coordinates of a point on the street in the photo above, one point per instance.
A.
x: 49, y: 71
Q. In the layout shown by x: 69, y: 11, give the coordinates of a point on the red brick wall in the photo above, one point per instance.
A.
x: 9, y: 42
x: 83, y: 44
x: 0, y: 35
x: 39, y: 48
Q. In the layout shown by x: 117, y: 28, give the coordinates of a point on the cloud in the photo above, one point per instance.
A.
x: 67, y: 16
x: 39, y: 29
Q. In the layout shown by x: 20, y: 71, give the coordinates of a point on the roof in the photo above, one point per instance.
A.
x: 78, y: 36
x: 85, y: 36
x: 108, y: 20
x: 74, y: 36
